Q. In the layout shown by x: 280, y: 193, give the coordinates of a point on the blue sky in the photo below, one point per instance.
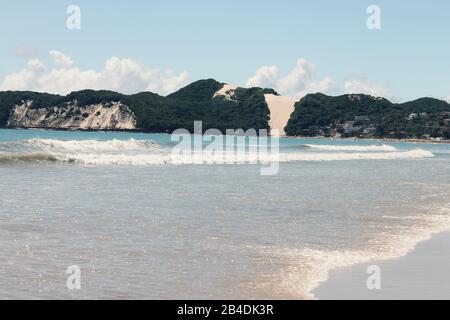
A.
x: 231, y: 40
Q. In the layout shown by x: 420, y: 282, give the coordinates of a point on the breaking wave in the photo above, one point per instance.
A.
x: 26, y: 157
x: 146, y: 152
x: 93, y: 145
x: 305, y: 156
x: 383, y: 147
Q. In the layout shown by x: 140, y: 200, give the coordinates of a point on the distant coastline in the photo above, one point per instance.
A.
x: 137, y: 130
x: 373, y: 139
x: 222, y: 106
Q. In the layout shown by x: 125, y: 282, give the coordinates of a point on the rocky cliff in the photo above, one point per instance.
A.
x: 102, y: 116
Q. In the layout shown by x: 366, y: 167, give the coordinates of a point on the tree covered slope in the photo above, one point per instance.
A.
x: 155, y: 113
x: 367, y: 116
x: 354, y: 115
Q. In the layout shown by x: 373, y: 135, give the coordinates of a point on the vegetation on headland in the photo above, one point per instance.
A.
x: 365, y: 116
x: 316, y: 115
x: 195, y: 102
x: 154, y: 113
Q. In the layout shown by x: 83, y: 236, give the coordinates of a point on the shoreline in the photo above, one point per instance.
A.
x: 374, y: 139
x: 281, y: 137
x: 82, y: 130
x: 422, y: 273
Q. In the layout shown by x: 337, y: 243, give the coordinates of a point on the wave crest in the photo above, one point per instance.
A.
x: 93, y: 145
x: 411, y: 154
x: 327, y: 147
x: 146, y: 152
x: 27, y: 157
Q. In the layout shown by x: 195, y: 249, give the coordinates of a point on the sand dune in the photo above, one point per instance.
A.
x: 281, y: 109
x: 227, y: 91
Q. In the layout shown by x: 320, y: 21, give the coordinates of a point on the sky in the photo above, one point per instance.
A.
x: 294, y: 46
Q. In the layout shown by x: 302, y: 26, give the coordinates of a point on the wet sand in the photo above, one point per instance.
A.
x: 422, y: 274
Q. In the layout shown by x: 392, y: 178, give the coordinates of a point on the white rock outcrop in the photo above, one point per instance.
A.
x: 108, y: 116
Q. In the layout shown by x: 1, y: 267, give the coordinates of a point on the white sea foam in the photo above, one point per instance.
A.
x: 310, y: 156
x: 93, y: 145
x: 383, y: 147
x: 146, y: 152
x: 161, y: 158
x: 117, y: 159
x: 26, y: 157
x: 308, y: 268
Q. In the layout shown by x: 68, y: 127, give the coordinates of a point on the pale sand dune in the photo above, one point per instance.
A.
x: 227, y: 91
x: 281, y: 109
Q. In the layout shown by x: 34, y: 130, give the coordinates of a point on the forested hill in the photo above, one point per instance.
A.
x: 359, y: 115
x: 354, y: 115
x: 152, y: 113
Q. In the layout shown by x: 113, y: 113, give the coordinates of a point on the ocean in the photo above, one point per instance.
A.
x: 140, y: 226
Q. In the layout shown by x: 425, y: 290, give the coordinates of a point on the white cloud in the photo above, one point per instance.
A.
x: 122, y: 75
x: 448, y: 99
x: 35, y: 66
x: 61, y: 59
x: 129, y: 76
x: 300, y: 81
x: 365, y: 87
x: 266, y: 77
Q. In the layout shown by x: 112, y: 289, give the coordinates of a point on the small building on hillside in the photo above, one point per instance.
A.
x: 445, y: 114
x: 362, y: 119
x: 348, y: 127
x: 412, y: 116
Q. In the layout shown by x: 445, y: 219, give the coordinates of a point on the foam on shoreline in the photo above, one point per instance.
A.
x: 421, y: 274
x: 301, y: 283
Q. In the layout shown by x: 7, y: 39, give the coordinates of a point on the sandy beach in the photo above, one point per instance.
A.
x: 422, y: 274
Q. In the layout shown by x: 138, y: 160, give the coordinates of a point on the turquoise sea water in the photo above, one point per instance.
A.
x: 141, y: 226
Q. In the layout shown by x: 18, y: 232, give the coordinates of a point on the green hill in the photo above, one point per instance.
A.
x: 367, y: 116
x: 155, y: 113
x: 354, y: 115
